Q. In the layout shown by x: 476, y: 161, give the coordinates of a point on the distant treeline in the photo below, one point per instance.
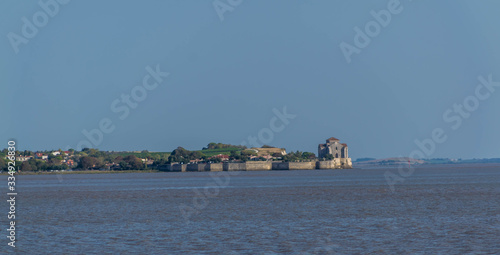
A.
x: 215, y: 146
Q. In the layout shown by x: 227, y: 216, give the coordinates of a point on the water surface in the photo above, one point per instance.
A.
x: 436, y: 210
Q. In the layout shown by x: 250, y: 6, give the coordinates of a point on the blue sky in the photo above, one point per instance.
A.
x: 226, y: 76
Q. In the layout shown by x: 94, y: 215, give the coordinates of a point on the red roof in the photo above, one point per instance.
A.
x: 332, y: 139
x: 344, y: 144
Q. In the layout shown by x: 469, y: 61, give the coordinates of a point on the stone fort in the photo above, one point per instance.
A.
x: 339, y: 159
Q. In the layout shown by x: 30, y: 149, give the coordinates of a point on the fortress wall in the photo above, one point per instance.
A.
x: 279, y: 166
x: 173, y: 168
x: 338, y: 163
x: 258, y: 166
x: 214, y: 167
x: 192, y: 167
x: 199, y: 167
x: 166, y: 167
x: 302, y: 165
x: 179, y: 167
x: 330, y: 164
x: 234, y: 166
x: 345, y: 163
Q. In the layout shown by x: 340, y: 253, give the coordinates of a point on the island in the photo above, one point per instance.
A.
x: 214, y: 157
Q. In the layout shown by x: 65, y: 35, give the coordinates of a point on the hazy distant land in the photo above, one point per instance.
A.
x: 396, y: 161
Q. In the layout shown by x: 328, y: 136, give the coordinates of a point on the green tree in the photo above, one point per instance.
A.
x: 26, y: 166
x: 298, y: 156
x: 308, y: 155
x: 179, y: 155
x: 214, y: 146
x: 87, y: 162
x: 40, y: 165
x: 277, y: 155
x: 32, y: 163
x: 235, y: 155
x: 134, y: 162
x: 3, y: 164
x: 248, y: 153
x: 196, y: 155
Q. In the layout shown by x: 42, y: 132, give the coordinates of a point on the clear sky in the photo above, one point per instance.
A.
x: 230, y: 66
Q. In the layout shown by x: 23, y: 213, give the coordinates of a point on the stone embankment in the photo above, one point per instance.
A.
x: 342, y: 163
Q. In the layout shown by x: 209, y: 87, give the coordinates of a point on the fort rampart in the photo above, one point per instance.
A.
x: 258, y: 166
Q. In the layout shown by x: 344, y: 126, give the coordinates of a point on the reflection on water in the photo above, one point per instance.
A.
x: 303, y: 212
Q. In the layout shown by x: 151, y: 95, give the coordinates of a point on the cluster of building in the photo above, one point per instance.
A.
x: 65, y: 155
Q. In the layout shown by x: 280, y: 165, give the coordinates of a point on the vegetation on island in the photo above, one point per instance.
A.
x: 217, y: 146
x: 299, y: 156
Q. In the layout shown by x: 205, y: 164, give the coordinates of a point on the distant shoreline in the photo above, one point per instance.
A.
x: 428, y: 166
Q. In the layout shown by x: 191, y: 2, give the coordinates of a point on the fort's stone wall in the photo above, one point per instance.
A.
x: 234, y: 166
x: 214, y: 167
x: 325, y: 164
x: 301, y: 165
x: 280, y: 166
x: 345, y: 163
x: 178, y: 167
x: 196, y: 167
x: 260, y: 166
x: 330, y: 164
x: 166, y: 167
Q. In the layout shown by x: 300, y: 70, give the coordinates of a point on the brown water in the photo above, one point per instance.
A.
x: 434, y: 211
